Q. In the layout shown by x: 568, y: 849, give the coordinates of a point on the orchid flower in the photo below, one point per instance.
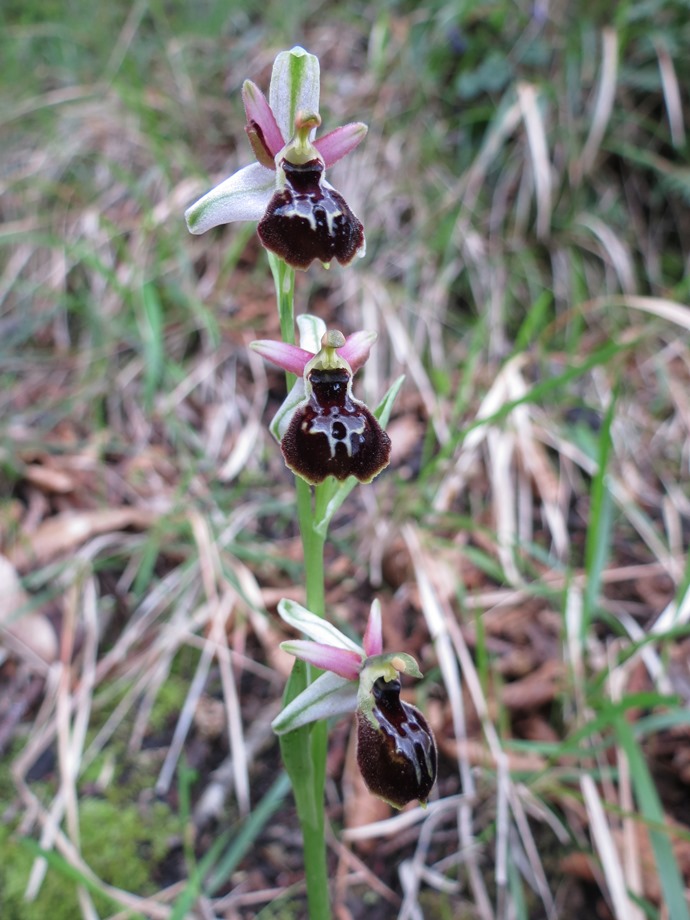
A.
x: 301, y: 216
x: 396, y: 751
x: 322, y: 429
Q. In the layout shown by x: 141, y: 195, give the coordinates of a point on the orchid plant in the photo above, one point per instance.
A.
x: 331, y: 441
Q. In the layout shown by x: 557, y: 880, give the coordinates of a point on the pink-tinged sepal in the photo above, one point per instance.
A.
x: 290, y: 357
x: 341, y: 141
x: 340, y: 661
x: 373, y: 636
x: 317, y: 628
x: 262, y: 127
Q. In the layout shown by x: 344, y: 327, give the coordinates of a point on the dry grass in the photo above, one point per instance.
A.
x: 528, y: 544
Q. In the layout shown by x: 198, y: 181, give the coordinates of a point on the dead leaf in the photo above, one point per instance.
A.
x: 65, y: 532
x: 48, y: 479
x: 407, y: 434
x: 536, y: 690
x: 583, y: 866
x: 479, y: 755
x: 25, y: 630
x: 650, y: 875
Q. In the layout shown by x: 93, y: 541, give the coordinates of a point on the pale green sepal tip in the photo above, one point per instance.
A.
x: 312, y: 329
x: 295, y: 87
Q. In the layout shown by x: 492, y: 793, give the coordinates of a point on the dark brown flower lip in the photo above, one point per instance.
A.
x: 334, y: 434
x: 308, y: 220
x: 396, y: 750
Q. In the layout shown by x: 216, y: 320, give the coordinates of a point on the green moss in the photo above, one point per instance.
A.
x: 123, y: 846
x: 169, y: 699
x: 15, y: 866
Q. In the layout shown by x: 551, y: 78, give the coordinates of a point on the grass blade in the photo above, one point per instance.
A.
x: 670, y: 878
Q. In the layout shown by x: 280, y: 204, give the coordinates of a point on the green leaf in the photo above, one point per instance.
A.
x: 600, y: 520
x: 248, y: 832
x: 649, y: 804
x: 152, y: 340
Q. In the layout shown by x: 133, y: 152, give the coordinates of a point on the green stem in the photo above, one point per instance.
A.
x: 304, y: 755
x: 304, y: 751
x: 284, y: 280
x: 313, y: 546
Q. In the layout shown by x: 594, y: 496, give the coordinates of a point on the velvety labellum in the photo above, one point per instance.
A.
x: 397, y: 756
x: 334, y: 434
x: 308, y: 220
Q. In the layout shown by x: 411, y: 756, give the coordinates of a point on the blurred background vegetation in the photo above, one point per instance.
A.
x: 524, y: 188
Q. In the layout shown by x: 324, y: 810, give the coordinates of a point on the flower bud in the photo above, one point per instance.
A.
x: 396, y: 751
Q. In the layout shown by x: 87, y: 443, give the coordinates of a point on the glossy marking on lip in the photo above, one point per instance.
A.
x: 334, y: 434
x: 398, y: 758
x: 308, y: 220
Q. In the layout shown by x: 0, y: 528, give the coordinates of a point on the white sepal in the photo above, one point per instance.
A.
x: 314, y: 627
x: 312, y: 329
x: 281, y: 420
x: 328, y: 697
x: 244, y: 196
